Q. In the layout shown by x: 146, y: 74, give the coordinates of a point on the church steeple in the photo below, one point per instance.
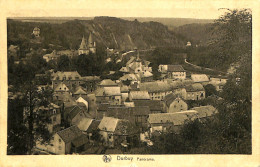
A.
x: 90, y: 40
x: 83, y: 45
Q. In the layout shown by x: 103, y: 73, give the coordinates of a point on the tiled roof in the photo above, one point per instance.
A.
x: 75, y: 111
x: 70, y: 133
x: 84, y: 124
x: 141, y: 110
x: 93, y: 126
x: 112, y: 91
x: 175, y: 68
x: 70, y: 75
x: 108, y: 82
x: 194, y: 87
x: 139, y: 95
x: 154, y: 105
x: 146, y: 74
x: 61, y: 87
x: 91, y: 78
x: 130, y: 77
x: 81, y: 140
x: 177, y: 118
x: 205, y: 111
x: 169, y: 99
x: 103, y: 107
x: 153, y: 87
x: 199, y: 77
x: 108, y: 124
x: 80, y: 90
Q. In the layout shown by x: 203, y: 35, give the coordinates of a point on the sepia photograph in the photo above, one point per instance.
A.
x: 130, y: 86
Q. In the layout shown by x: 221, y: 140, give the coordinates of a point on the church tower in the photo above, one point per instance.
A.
x: 91, y: 44
x: 83, y: 49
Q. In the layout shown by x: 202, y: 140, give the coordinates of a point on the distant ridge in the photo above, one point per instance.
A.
x: 170, y: 22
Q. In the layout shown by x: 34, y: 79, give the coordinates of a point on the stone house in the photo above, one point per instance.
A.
x: 115, y: 131
x: 195, y: 92
x: 68, y: 141
x: 156, y: 90
x: 174, y: 103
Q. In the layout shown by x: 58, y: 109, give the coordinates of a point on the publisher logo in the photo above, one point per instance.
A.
x: 107, y: 158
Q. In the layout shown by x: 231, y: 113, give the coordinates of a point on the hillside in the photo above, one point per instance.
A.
x: 198, y: 34
x: 107, y: 31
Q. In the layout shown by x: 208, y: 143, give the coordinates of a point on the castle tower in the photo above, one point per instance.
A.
x: 36, y: 32
x: 83, y: 49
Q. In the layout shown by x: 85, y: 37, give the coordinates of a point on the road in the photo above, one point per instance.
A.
x: 199, y: 67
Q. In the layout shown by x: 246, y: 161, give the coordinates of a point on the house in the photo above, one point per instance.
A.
x: 167, y: 122
x: 205, y: 111
x: 71, y: 79
x: 146, y: 76
x: 200, y: 78
x: 53, y: 113
x: 195, y: 92
x: 139, y: 95
x: 90, y: 82
x: 218, y: 82
x: 136, y: 115
x: 102, y: 110
x: 129, y: 79
x: 174, y: 103
x: 84, y: 101
x: 155, y: 106
x: 87, y: 47
x: 51, y: 56
x: 116, y: 131
x: 79, y: 92
x: 74, y: 114
x: 69, y: 140
x: 36, y: 32
x: 107, y: 83
x: 64, y: 98
x: 114, y: 94
x: 156, y: 90
x: 124, y: 92
x: 61, y: 88
x: 173, y: 71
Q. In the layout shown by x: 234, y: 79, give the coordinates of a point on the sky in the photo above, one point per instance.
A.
x: 200, y: 9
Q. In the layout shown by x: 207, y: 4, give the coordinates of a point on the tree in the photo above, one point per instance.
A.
x: 210, y: 90
x: 63, y: 63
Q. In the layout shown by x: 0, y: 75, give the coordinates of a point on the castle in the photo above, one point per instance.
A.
x: 87, y: 46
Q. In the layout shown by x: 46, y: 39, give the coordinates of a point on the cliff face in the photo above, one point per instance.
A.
x: 107, y: 31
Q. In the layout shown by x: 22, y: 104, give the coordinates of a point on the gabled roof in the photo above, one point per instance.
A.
x: 205, y: 111
x: 199, y: 77
x: 124, y: 69
x: 130, y: 77
x: 156, y: 86
x: 141, y: 110
x: 108, y: 124
x: 61, y: 87
x: 169, y: 99
x: 93, y: 126
x: 177, y: 118
x: 75, y: 111
x: 70, y: 133
x: 175, y: 68
x: 68, y: 75
x: 154, y: 105
x: 107, y: 82
x: 112, y: 91
x: 194, y: 87
x: 84, y: 123
x: 139, y: 95
x: 81, y: 140
x: 146, y: 74
x: 80, y: 91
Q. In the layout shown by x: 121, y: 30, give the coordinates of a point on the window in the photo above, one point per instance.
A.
x: 54, y: 119
x: 60, y: 140
x: 60, y: 148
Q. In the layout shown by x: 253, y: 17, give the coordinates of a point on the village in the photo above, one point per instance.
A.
x: 88, y: 115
